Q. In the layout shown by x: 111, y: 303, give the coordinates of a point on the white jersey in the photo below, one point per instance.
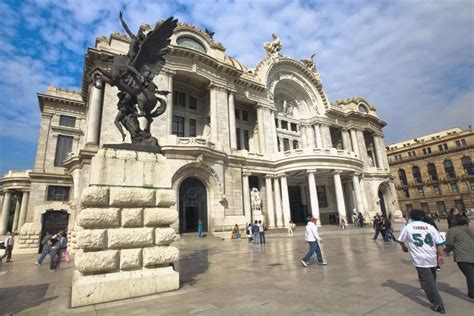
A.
x: 422, y: 239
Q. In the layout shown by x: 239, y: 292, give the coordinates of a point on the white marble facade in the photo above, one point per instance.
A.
x: 229, y: 129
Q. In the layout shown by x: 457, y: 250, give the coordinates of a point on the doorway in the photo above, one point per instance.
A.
x: 53, y: 221
x: 297, y: 209
x: 382, y: 204
x: 192, y: 206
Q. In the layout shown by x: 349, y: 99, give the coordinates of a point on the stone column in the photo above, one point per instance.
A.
x: 270, y: 208
x: 341, y: 208
x: 246, y: 194
x: 346, y: 142
x: 213, y: 112
x: 355, y: 145
x: 169, y: 104
x: 326, y: 135
x: 378, y: 152
x: 93, y: 116
x: 261, y: 130
x: 5, y: 212
x: 278, y: 211
x: 23, y: 208
x: 17, y: 214
x: 304, y: 135
x: 274, y: 131
x: 232, y: 127
x: 313, y: 195
x: 357, y: 193
x: 285, y: 200
x: 319, y: 139
x: 311, y: 137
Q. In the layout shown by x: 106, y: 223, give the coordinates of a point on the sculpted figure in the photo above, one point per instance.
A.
x: 273, y: 48
x: 309, y: 63
x: 255, y: 199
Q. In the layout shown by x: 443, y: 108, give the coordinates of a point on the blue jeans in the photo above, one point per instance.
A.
x: 256, y: 238
x: 313, y: 247
x: 45, y: 252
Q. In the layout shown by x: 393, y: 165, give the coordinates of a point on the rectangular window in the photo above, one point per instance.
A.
x: 284, y: 125
x: 458, y: 144
x: 239, y: 143
x: 192, y: 128
x: 192, y: 103
x: 295, y: 144
x: 57, y: 193
x: 406, y: 193
x: 428, y: 150
x: 294, y: 127
x: 463, y: 142
x: 276, y: 123
x: 414, y: 153
x: 459, y: 204
x: 471, y: 185
x: 237, y: 114
x: 179, y: 98
x: 445, y: 146
x: 246, y: 139
x: 63, y: 148
x: 421, y: 192
x: 68, y: 121
x: 436, y: 189
x: 245, y: 115
x: 454, y: 187
x: 178, y: 126
x: 424, y: 207
x: 322, y: 196
x: 441, y: 207
x: 278, y: 143
x: 424, y: 151
x: 409, y: 154
x: 409, y: 208
x: 440, y: 147
x: 286, y: 144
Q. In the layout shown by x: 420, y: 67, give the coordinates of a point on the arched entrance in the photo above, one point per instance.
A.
x: 192, y: 205
x: 53, y: 221
x: 383, y: 209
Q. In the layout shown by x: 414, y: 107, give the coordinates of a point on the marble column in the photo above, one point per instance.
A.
x: 318, y: 138
x: 246, y: 194
x: 355, y: 145
x: 341, y: 208
x: 378, y: 152
x: 304, y: 135
x: 313, y: 195
x: 232, y: 128
x: 311, y: 137
x: 5, y: 213
x: 261, y: 129
x: 357, y: 193
x: 286, y: 200
x: 93, y: 115
x: 270, y: 208
x: 274, y: 131
x: 213, y: 112
x: 346, y: 142
x: 16, y: 214
x: 23, y: 208
x: 278, y: 211
x: 169, y: 104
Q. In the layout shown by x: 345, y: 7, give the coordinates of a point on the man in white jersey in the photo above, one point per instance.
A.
x: 426, y: 246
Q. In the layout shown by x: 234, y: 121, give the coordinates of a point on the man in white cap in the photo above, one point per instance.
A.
x: 8, y: 248
x: 312, y: 237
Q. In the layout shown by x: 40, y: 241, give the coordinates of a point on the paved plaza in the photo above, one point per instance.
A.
x: 231, y: 277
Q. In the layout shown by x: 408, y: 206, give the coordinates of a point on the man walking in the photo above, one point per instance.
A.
x: 261, y: 232
x: 426, y: 250
x: 8, y: 248
x: 312, y: 237
x: 46, y: 248
x: 377, y: 226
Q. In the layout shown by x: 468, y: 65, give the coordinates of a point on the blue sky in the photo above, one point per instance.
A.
x: 413, y: 60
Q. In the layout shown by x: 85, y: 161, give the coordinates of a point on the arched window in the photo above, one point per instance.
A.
x: 402, y: 176
x: 432, y: 172
x: 449, y: 169
x: 417, y: 175
x: 190, y: 42
x: 467, y: 165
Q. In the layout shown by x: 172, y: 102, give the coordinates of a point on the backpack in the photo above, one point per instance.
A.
x: 2, y: 245
x: 255, y: 229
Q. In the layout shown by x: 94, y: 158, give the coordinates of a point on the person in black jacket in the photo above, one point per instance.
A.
x: 452, y: 213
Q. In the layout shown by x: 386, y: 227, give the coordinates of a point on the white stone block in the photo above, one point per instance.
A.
x: 91, y: 239
x: 99, y: 218
x: 130, y: 259
x: 132, y: 217
x: 144, y: 156
x: 132, y: 197
x: 126, y: 154
x: 165, y: 197
x: 93, y: 289
x: 159, y: 255
x: 165, y: 236
x: 97, y: 261
x: 130, y: 237
x: 159, y: 216
x: 95, y: 196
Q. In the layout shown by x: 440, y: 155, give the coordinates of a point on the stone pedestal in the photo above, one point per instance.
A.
x: 123, y: 230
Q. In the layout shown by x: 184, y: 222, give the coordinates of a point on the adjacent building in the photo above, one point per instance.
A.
x: 228, y: 130
x: 434, y: 172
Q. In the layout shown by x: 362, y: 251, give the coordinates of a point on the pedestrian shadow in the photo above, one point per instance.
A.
x: 409, y: 291
x: 14, y: 300
x: 445, y: 287
x: 192, y: 265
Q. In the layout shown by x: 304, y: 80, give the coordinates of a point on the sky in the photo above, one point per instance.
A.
x: 412, y: 60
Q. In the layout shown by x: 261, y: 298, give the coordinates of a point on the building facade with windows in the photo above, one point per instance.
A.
x: 227, y: 129
x: 434, y: 172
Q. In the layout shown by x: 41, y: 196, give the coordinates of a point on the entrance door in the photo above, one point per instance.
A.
x: 53, y: 221
x: 382, y: 203
x: 297, y: 209
x: 192, y: 206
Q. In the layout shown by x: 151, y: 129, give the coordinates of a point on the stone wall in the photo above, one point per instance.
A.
x: 123, y: 240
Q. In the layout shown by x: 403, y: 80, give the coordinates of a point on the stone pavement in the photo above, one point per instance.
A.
x: 231, y: 277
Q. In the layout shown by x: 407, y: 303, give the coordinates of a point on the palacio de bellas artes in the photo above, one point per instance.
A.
x: 171, y: 151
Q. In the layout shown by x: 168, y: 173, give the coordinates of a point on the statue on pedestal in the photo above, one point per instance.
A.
x: 133, y: 75
x: 256, y: 200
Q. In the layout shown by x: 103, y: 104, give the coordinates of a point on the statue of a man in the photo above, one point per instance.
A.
x: 255, y: 199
